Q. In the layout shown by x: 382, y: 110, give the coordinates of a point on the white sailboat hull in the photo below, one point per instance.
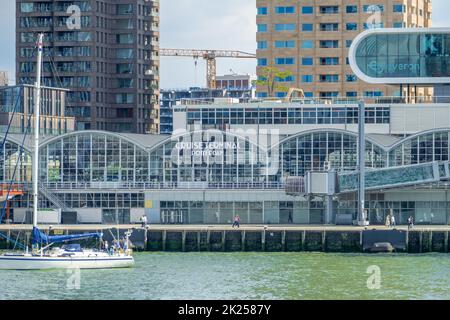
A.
x: 30, y: 262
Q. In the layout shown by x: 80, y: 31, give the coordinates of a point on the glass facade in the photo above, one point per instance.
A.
x: 100, y: 162
x: 291, y: 115
x: 212, y: 156
x: 404, y: 55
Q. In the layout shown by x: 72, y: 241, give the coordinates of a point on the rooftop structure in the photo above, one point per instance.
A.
x: 234, y: 87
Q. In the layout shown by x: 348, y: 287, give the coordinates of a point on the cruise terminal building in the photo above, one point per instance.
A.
x: 229, y: 158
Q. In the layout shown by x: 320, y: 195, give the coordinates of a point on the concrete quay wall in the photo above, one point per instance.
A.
x: 256, y: 238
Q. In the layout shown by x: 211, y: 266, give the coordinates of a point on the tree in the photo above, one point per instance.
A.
x: 269, y: 76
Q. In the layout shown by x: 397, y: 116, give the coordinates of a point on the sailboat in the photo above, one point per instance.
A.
x: 43, y: 255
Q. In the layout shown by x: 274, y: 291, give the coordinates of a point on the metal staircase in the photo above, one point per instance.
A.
x: 57, y: 202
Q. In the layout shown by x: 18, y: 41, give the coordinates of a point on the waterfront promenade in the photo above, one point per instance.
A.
x: 258, y: 238
x: 224, y: 227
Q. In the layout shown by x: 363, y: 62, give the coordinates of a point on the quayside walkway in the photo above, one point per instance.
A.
x: 221, y: 227
x: 255, y: 238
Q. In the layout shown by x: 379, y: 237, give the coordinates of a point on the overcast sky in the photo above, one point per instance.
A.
x: 197, y: 24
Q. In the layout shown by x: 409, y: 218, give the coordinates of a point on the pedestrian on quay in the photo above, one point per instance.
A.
x: 236, y: 221
x: 144, y: 221
x: 410, y: 222
x: 393, y: 225
x: 106, y: 246
x: 388, y: 220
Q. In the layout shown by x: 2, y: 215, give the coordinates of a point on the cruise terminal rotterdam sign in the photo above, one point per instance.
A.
x: 402, y: 56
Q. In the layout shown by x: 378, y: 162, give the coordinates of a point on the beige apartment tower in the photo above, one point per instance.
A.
x: 311, y: 39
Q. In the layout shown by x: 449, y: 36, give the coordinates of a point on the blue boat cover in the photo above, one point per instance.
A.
x: 38, y: 237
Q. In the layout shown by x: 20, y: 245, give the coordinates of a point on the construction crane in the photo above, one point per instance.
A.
x: 210, y: 56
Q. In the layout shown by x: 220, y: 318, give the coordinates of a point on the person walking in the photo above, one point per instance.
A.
x: 106, y: 246
x: 388, y: 220
x: 410, y: 222
x: 290, y: 220
x: 144, y: 221
x: 236, y: 221
x: 393, y: 225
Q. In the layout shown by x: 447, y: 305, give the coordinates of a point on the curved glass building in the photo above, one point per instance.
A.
x: 207, y: 176
x: 402, y: 56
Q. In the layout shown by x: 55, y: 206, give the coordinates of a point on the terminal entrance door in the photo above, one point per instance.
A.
x: 116, y: 216
x: 173, y: 216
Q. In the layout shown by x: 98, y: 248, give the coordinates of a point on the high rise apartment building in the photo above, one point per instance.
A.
x: 311, y: 39
x: 104, y: 51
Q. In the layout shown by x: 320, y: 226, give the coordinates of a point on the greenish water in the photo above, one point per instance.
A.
x: 242, y: 276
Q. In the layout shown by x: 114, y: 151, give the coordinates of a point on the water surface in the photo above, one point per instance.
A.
x: 242, y: 276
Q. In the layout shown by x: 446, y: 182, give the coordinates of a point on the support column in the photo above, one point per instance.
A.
x: 361, y: 220
x: 329, y: 212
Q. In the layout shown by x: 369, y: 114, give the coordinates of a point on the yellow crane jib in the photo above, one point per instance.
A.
x: 210, y: 56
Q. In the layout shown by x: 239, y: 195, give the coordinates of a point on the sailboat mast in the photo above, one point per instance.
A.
x: 36, y: 129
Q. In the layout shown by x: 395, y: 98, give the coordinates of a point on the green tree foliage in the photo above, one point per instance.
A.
x: 268, y: 78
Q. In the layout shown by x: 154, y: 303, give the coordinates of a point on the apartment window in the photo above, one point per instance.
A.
x: 124, y: 68
x: 262, y: 95
x: 125, y: 53
x: 328, y: 94
x: 307, y: 61
x: 329, y: 27
x: 328, y: 78
x: 371, y: 94
x: 372, y: 8
x: 262, y: 45
x: 284, y: 10
x: 329, y: 9
x: 307, y: 78
x: 262, y: 62
x: 285, y: 27
x: 399, y: 25
x: 329, y: 61
x: 307, y: 27
x: 351, y: 78
x: 351, y: 94
x: 399, y: 8
x: 125, y: 39
x: 26, y: 7
x: 123, y: 9
x: 348, y: 43
x: 308, y: 94
x: 286, y: 79
x: 326, y: 44
x: 284, y: 61
x: 285, y: 44
x: 262, y: 27
x: 351, y: 9
x: 262, y: 11
x: 307, y: 10
x: 307, y: 44
x: 351, y: 26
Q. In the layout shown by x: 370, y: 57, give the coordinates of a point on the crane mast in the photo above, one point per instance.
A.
x: 210, y: 56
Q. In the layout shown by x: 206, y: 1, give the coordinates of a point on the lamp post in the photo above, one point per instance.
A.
x: 361, y: 219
